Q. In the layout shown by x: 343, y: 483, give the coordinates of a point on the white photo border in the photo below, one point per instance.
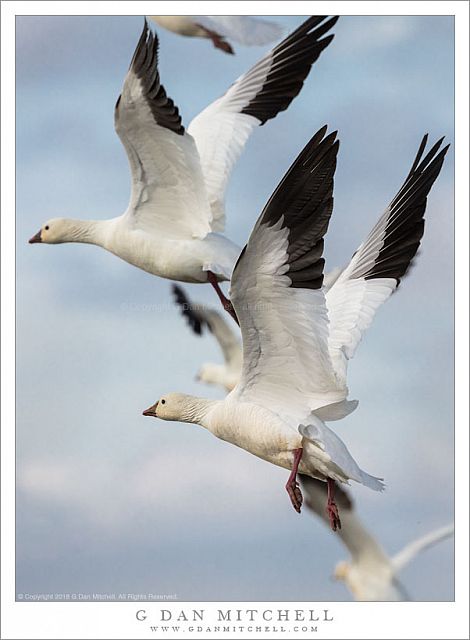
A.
x: 121, y: 620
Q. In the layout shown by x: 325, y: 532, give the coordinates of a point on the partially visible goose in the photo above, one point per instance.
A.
x: 199, y: 318
x: 296, y: 339
x: 246, y: 30
x: 176, y: 212
x: 371, y: 574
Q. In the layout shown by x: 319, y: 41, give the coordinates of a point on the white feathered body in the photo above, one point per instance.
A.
x: 246, y: 30
x: 184, y: 25
x: 270, y: 437
x: 373, y: 582
x: 186, y: 260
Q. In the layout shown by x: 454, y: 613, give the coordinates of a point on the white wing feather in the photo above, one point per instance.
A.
x: 222, y: 129
x: 408, y: 553
x: 227, y: 338
x: 352, y: 305
x: 220, y: 137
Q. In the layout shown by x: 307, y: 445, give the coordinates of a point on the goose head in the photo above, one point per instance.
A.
x: 180, y: 407
x: 172, y: 406
x: 59, y: 230
x: 341, y: 571
x: 54, y: 231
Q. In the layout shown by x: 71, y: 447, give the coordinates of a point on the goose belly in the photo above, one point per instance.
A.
x: 181, y: 260
x: 267, y: 436
x: 257, y: 431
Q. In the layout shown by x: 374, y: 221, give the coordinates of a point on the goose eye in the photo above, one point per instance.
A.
x: 162, y: 401
x: 46, y: 227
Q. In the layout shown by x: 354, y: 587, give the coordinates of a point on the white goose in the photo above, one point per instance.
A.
x: 176, y: 212
x: 296, y: 339
x: 199, y: 317
x: 372, y: 574
x: 246, y: 30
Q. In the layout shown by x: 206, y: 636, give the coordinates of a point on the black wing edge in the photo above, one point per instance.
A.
x: 190, y: 311
x: 291, y: 62
x: 144, y: 64
x: 405, y: 224
x: 304, y: 201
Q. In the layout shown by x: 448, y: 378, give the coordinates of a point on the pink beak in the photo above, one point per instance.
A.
x: 36, y: 238
x: 151, y: 411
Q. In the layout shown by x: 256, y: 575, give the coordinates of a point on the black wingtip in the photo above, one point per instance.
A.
x: 289, y: 66
x: 177, y: 291
x: 323, y: 28
x: 144, y: 65
x: 303, y: 201
x: 188, y: 310
x: 404, y: 218
x: 420, y: 163
x: 334, y: 134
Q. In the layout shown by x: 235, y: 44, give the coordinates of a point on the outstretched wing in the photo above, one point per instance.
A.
x: 383, y: 258
x: 246, y: 30
x: 228, y: 340
x: 277, y: 291
x: 200, y: 316
x: 168, y: 190
x: 222, y: 129
x: 408, y: 553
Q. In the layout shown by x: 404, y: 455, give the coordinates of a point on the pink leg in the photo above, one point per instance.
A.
x: 218, y: 41
x: 227, y: 305
x: 331, y: 507
x: 292, y: 486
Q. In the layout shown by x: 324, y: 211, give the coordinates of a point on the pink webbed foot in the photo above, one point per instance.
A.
x: 292, y: 486
x: 218, y: 41
x: 331, y: 507
x: 295, y: 495
x: 223, y: 45
x: 333, y: 515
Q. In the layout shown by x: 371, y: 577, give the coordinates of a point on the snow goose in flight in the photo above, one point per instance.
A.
x: 246, y: 30
x: 172, y: 227
x: 199, y: 318
x: 296, y: 339
x: 371, y: 574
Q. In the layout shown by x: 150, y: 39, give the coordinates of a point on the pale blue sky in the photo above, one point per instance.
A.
x: 109, y: 501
